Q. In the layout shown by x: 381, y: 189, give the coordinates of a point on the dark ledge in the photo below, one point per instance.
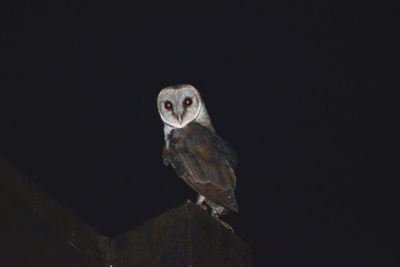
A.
x: 38, y: 231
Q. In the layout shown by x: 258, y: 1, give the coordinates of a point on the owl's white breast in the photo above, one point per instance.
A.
x: 167, y: 131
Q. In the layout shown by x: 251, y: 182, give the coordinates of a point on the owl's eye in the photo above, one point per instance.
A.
x: 168, y: 105
x: 187, y: 101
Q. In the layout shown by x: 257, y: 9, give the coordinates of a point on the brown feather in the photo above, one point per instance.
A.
x: 205, y: 162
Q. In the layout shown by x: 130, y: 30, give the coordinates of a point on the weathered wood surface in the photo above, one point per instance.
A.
x: 184, y: 236
x: 36, y: 230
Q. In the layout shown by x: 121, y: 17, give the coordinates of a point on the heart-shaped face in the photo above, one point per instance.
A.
x: 179, y: 105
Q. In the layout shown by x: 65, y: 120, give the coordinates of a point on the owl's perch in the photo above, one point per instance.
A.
x: 183, y: 236
x: 38, y: 231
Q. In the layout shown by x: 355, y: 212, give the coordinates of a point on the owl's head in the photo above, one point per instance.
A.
x: 180, y: 105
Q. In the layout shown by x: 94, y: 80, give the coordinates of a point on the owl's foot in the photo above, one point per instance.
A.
x: 200, y: 201
x: 203, y: 206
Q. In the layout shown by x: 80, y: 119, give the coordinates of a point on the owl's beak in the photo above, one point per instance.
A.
x: 179, y: 118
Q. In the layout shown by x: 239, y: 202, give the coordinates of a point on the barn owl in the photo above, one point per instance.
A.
x: 199, y: 156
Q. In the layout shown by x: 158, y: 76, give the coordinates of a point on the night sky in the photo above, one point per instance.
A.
x: 296, y: 88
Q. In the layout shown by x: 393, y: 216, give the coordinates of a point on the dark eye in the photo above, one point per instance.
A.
x: 187, y: 101
x: 168, y: 105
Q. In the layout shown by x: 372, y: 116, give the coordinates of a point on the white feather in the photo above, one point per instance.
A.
x: 167, y: 131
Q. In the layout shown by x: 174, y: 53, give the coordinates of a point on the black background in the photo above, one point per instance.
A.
x: 298, y: 89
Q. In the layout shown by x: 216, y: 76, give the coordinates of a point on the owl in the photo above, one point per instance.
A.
x: 199, y: 156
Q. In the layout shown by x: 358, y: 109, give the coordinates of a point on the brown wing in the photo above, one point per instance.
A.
x: 205, y: 162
